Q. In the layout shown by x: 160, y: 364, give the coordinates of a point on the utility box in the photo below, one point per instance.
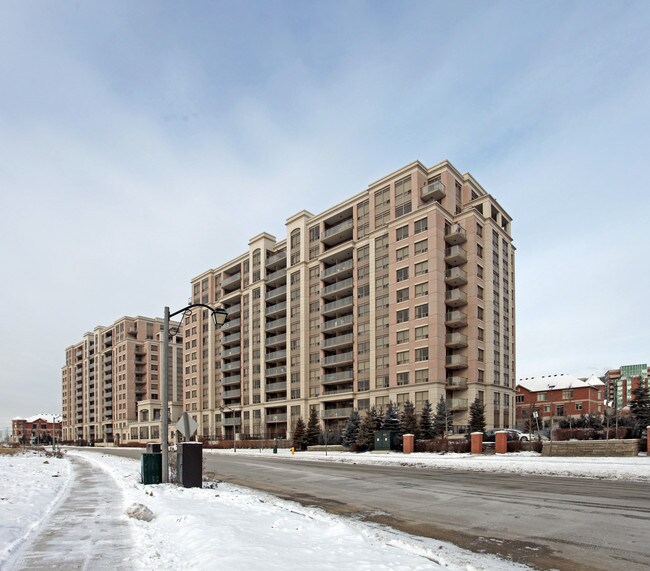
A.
x: 151, y: 468
x: 189, y: 464
x: 387, y: 440
x: 153, y: 448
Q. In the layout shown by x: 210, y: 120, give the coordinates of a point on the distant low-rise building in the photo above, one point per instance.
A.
x: 555, y: 397
x: 40, y: 428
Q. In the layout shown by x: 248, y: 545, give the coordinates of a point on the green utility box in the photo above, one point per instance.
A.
x: 151, y: 468
x: 386, y: 440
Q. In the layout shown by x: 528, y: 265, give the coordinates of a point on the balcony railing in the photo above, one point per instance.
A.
x: 338, y: 286
x: 338, y: 340
x: 456, y: 362
x: 455, y: 340
x: 455, y: 319
x: 338, y: 323
x: 276, y: 324
x: 271, y: 260
x: 455, y: 298
x: 433, y: 191
x: 235, y: 393
x: 456, y: 383
x: 276, y: 371
x: 275, y: 340
x: 282, y: 386
x: 231, y: 281
x: 455, y: 235
x: 232, y: 366
x: 338, y: 359
x: 333, y: 306
x: 337, y: 412
x: 275, y: 293
x: 338, y: 268
x: 457, y: 404
x: 275, y: 276
x: 339, y: 377
x: 455, y: 256
x: 277, y: 308
x: 338, y: 234
x: 236, y: 421
x: 276, y: 356
x: 455, y: 277
x: 231, y: 380
x: 280, y: 417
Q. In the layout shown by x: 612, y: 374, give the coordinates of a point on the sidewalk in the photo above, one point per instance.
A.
x: 87, y: 530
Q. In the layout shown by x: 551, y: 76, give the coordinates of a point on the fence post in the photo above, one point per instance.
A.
x: 408, y: 443
x: 501, y: 444
x: 477, y: 443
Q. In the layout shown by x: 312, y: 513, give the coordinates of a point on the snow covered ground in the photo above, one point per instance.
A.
x: 243, y: 529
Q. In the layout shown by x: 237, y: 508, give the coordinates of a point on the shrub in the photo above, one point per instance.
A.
x: 442, y: 445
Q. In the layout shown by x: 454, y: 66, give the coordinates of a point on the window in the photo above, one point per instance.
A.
x: 479, y: 250
x: 403, y: 336
x: 402, y: 315
x: 402, y: 379
x: 422, y: 376
x: 422, y: 354
x: 578, y: 406
x: 421, y: 311
x: 541, y: 396
x: 480, y: 376
x: 402, y: 253
x: 402, y: 274
x: 559, y: 410
x: 481, y: 334
x: 421, y: 268
x: 481, y: 355
x: 519, y: 399
x: 402, y: 294
x: 381, y: 382
x: 421, y: 247
x: 402, y: 357
x: 421, y: 289
x: 479, y: 292
x: 403, y: 209
x: 479, y: 271
x: 401, y: 233
x: 421, y: 225
x: 422, y: 332
x: 547, y: 408
x: 567, y: 394
x: 479, y: 313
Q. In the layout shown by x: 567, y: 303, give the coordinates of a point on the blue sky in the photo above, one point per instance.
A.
x: 143, y: 143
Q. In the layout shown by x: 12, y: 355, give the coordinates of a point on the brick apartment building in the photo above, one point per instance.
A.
x: 38, y: 428
x: 622, y: 381
x: 555, y: 397
x: 404, y: 291
x: 110, y: 382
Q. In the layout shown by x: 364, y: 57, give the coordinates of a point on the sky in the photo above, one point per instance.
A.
x: 144, y: 143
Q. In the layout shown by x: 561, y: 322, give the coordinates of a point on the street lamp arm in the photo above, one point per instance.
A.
x: 190, y: 306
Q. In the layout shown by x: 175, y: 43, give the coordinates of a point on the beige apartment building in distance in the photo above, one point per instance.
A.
x: 404, y: 291
x: 111, y: 383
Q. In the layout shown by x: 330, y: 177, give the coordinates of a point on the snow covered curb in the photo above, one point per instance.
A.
x: 525, y: 463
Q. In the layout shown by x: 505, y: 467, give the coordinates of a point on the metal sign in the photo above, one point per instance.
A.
x: 186, y: 425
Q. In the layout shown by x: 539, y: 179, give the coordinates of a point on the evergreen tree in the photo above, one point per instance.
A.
x: 425, y: 428
x: 391, y: 418
x: 352, y: 428
x: 408, y: 419
x: 477, y: 416
x: 640, y: 407
x: 366, y: 435
x: 300, y: 435
x: 377, y: 419
x: 443, y: 420
x: 313, y: 427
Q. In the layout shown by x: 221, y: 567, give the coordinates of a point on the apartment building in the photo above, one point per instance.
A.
x: 404, y: 291
x: 110, y: 382
x: 40, y: 428
x: 622, y: 381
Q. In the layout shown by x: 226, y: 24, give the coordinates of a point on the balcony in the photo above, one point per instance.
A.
x: 276, y: 356
x: 275, y: 340
x: 433, y: 191
x: 231, y: 324
x: 232, y: 366
x: 339, y: 323
x: 276, y: 371
x: 340, y: 359
x: 337, y: 391
x: 338, y: 341
x: 276, y: 309
x: 273, y: 418
x: 457, y: 404
x: 234, y: 421
x: 343, y: 269
x: 230, y: 380
x: 455, y: 340
x: 231, y: 282
x: 456, y: 362
x: 234, y: 352
x: 338, y: 307
x: 276, y: 293
x: 455, y: 235
x: 455, y: 319
x: 233, y: 310
x: 456, y: 383
x: 232, y: 394
x: 455, y: 277
x: 339, y: 377
x: 273, y: 387
x: 455, y: 256
x: 342, y: 286
x: 337, y: 412
x: 276, y: 277
x: 455, y: 298
x: 276, y: 324
x: 338, y: 234
x: 276, y: 261
x: 230, y: 339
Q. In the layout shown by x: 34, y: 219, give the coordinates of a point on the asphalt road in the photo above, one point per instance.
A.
x: 546, y: 522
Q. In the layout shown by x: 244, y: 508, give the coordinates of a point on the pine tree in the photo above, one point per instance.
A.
x: 313, y: 427
x: 391, y: 418
x: 477, y: 416
x: 408, y: 419
x: 640, y: 407
x: 377, y: 419
x: 300, y: 435
x: 351, y: 430
x: 425, y: 428
x: 442, y: 422
x: 366, y: 435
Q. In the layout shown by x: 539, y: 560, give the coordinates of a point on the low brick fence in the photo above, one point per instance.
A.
x: 627, y: 447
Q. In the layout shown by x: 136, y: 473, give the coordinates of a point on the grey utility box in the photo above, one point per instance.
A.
x: 189, y: 464
x: 386, y: 440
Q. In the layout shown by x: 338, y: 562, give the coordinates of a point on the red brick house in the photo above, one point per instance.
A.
x: 41, y: 428
x: 555, y: 397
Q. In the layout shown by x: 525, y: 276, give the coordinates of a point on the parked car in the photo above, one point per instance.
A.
x: 490, y: 435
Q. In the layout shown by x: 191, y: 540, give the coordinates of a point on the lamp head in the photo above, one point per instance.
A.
x: 219, y: 316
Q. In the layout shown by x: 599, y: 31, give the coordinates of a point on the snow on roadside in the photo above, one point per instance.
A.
x: 30, y: 487
x: 633, y: 468
x: 243, y: 529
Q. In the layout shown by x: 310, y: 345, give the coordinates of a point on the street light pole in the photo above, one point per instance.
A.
x: 219, y: 316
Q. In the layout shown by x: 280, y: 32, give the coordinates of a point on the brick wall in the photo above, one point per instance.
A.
x: 628, y: 447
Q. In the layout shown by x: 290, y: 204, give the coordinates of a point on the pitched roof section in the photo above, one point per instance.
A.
x: 557, y: 382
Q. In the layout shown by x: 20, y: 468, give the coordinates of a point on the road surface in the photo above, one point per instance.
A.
x: 546, y: 522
